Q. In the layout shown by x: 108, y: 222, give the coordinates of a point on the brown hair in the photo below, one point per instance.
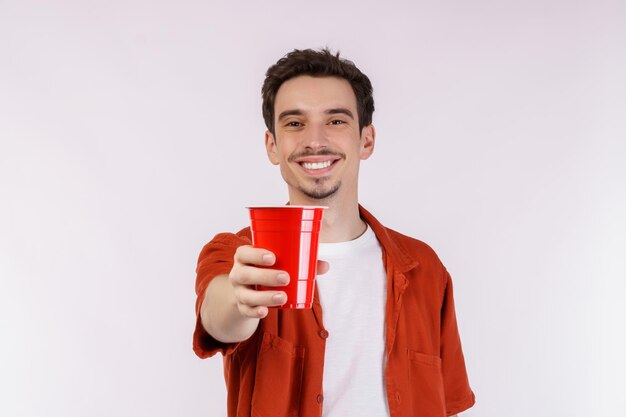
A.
x: 320, y: 63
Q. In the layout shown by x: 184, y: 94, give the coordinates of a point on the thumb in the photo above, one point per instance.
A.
x: 322, y: 267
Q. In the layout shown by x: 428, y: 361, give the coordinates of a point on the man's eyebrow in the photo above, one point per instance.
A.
x: 340, y: 111
x: 297, y: 112
x: 287, y: 113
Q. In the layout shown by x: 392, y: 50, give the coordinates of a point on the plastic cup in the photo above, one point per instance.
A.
x: 292, y: 234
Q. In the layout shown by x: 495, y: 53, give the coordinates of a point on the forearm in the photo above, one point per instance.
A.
x: 220, y: 316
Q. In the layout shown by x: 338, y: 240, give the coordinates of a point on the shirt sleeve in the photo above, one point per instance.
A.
x: 216, y: 258
x: 459, y: 395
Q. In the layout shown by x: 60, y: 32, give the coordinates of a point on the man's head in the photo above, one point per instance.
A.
x: 317, y: 64
x: 313, y: 103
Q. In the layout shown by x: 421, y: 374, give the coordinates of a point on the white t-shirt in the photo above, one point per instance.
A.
x: 352, y: 295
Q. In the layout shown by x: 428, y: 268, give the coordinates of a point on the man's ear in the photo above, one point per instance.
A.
x: 271, y: 147
x: 368, y: 140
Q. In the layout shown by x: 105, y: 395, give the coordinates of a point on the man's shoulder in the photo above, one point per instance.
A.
x: 408, y: 241
x: 414, y: 248
x: 406, y: 250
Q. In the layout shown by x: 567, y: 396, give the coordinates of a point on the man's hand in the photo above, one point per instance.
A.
x: 232, y: 308
x: 247, y: 272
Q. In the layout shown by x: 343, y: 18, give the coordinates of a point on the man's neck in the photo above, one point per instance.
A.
x: 342, y: 221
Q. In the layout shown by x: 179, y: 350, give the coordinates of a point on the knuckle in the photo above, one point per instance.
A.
x: 240, y: 251
x: 237, y: 292
x: 244, y: 279
x: 234, y: 276
x: 244, y: 298
x: 244, y: 310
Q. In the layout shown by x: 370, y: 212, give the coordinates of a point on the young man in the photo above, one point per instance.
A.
x: 381, y: 338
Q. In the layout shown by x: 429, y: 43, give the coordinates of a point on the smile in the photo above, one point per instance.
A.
x: 316, y: 165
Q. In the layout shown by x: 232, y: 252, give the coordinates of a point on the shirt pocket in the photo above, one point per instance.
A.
x: 278, y: 379
x: 426, y: 385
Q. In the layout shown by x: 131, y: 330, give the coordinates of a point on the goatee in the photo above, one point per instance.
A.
x: 321, y: 194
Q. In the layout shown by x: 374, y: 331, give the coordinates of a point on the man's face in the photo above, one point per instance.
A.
x: 317, y: 141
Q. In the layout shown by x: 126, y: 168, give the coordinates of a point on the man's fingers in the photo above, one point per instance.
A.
x: 250, y: 301
x: 322, y: 267
x: 256, y: 312
x: 249, y: 255
x: 251, y: 275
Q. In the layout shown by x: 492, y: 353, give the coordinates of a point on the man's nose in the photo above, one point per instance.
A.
x: 315, y: 137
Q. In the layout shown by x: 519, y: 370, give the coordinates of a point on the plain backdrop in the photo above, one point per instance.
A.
x: 131, y: 133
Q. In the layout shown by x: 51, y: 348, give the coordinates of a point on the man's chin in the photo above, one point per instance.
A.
x: 321, y: 194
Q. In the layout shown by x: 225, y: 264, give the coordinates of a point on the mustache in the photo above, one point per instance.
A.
x: 323, y: 152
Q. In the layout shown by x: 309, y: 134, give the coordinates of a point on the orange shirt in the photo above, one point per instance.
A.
x: 278, y: 370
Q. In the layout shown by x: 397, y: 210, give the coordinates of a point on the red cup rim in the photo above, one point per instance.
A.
x: 287, y: 207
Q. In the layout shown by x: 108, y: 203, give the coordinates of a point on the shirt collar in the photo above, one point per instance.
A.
x: 400, y: 258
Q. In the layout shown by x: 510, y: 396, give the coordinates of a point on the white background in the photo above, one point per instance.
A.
x: 131, y: 133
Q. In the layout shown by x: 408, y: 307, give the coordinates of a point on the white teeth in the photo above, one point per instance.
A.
x: 316, y: 165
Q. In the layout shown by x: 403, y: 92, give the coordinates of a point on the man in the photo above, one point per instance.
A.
x: 381, y: 338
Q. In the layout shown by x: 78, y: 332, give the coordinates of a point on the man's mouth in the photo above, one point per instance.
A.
x: 316, y: 165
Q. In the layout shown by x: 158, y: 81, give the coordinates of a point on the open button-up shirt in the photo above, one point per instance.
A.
x: 278, y: 370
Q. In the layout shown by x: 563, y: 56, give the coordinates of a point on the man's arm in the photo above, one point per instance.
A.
x: 220, y: 316
x: 458, y: 393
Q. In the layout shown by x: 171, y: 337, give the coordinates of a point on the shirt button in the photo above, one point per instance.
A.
x: 324, y: 334
x: 398, y: 396
x: 320, y: 398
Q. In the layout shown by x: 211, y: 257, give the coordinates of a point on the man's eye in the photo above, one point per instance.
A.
x: 294, y: 124
x: 337, y: 122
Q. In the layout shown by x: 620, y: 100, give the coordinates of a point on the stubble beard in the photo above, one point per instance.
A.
x: 319, y: 192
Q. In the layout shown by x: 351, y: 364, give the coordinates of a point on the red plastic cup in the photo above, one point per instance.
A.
x: 292, y: 234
